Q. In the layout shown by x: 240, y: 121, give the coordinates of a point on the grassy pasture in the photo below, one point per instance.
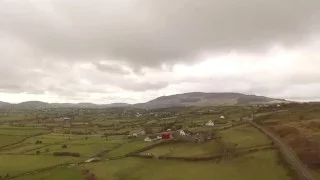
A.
x: 7, y: 139
x: 184, y: 149
x: 127, y: 148
x: 22, y: 131
x: 244, y: 136
x: 84, y: 150
x: 21, y: 163
x: 260, y: 165
x: 63, y: 173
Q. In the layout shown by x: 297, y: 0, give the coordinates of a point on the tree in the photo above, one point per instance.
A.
x: 38, y: 152
x: 64, y: 146
x: 148, y: 129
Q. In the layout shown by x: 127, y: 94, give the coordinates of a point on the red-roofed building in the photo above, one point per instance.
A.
x: 166, y: 135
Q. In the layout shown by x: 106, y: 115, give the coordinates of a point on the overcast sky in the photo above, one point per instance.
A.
x: 107, y: 51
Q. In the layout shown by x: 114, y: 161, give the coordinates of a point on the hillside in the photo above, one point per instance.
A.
x: 43, y: 105
x: 206, y: 99
x: 186, y: 99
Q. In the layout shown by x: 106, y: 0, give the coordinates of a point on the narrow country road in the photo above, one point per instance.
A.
x: 288, y: 154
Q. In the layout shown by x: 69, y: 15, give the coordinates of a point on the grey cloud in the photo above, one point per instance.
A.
x: 149, y: 33
x: 144, y: 86
x: 114, y: 68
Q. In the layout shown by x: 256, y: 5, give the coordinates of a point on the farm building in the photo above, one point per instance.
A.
x: 150, y: 138
x: 147, y: 139
x: 210, y: 123
x: 166, y: 135
x: 142, y: 132
x: 182, y: 133
x: 222, y: 117
x: 138, y: 114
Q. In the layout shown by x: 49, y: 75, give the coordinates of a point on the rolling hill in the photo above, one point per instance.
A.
x: 206, y: 99
x: 186, y: 99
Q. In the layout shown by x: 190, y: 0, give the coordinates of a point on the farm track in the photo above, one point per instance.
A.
x: 288, y: 154
x: 36, y: 171
x: 22, y: 140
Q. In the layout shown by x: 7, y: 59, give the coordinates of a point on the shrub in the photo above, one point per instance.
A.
x: 64, y: 146
x: 66, y: 154
x: 38, y: 142
x: 38, y: 152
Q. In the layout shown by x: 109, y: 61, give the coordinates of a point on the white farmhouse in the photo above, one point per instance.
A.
x: 182, y: 133
x: 147, y: 139
x: 222, y: 117
x: 210, y: 123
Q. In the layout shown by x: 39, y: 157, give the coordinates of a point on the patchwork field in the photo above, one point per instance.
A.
x: 102, y: 135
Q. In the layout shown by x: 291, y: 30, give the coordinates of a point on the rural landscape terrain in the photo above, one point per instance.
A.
x: 184, y: 136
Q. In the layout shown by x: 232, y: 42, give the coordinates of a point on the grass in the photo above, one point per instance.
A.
x: 7, y: 140
x: 244, y: 136
x: 127, y: 148
x: 84, y: 150
x: 21, y: 163
x: 21, y: 148
x: 55, y: 138
x: 260, y: 165
x: 22, y: 131
x: 55, y: 174
x: 184, y: 149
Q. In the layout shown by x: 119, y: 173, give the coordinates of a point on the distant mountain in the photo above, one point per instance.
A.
x: 43, y: 105
x: 206, y: 99
x: 32, y: 105
x: 4, y: 105
x: 186, y: 99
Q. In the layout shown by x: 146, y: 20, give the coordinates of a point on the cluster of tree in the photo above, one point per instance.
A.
x: 38, y: 142
x: 78, y: 132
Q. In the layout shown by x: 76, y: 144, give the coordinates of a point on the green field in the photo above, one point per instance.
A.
x: 261, y: 165
x: 21, y: 163
x: 84, y: 150
x: 127, y: 148
x: 244, y: 136
x: 185, y: 149
x: 22, y: 131
x: 250, y: 167
x: 63, y: 173
x: 7, y: 139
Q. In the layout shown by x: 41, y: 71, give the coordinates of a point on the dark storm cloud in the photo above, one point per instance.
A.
x: 149, y: 33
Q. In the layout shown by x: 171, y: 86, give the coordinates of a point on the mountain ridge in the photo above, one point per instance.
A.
x: 184, y: 99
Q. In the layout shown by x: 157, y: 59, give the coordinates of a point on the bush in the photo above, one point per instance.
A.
x: 47, y: 150
x: 64, y: 146
x: 38, y: 142
x: 66, y: 154
x: 38, y: 152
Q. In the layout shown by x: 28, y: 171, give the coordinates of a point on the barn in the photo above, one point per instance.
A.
x: 166, y: 135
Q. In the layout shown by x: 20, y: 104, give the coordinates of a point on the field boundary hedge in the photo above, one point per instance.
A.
x: 18, y: 142
x: 207, y: 158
